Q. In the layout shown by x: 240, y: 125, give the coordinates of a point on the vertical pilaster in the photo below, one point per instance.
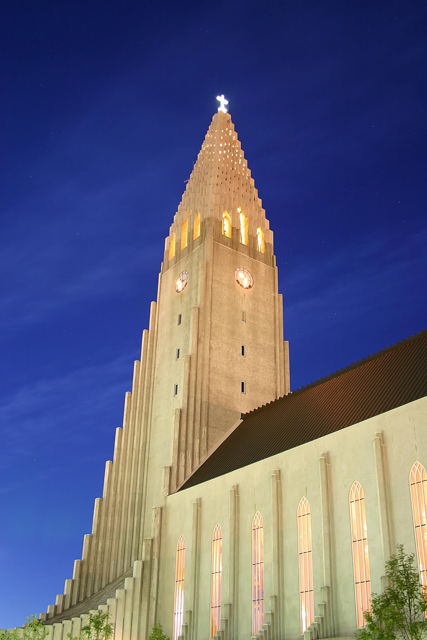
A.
x: 194, y: 349
x: 233, y: 561
x: 111, y: 509
x: 120, y: 471
x: 156, y: 528
x: 102, y: 536
x: 128, y: 464
x: 277, y: 509
x: 195, y: 565
x: 204, y: 444
x: 147, y: 358
x: 382, y: 492
x: 327, y: 542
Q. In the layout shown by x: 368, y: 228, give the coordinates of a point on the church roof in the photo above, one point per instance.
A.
x: 386, y: 380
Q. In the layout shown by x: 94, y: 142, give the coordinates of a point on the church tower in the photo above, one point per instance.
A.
x: 214, y: 350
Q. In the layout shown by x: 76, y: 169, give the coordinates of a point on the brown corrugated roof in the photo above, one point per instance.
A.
x: 386, y: 380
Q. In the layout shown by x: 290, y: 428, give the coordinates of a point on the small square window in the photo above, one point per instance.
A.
x: 177, y: 354
x: 175, y: 390
x: 243, y: 316
x: 243, y: 350
x: 243, y: 387
x: 179, y: 319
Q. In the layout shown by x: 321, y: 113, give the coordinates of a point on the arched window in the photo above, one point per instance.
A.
x: 360, y: 551
x: 179, y: 588
x: 260, y: 240
x: 216, y: 580
x: 418, y: 481
x: 305, y: 565
x: 226, y: 224
x: 244, y: 227
x: 172, y: 247
x: 196, y: 229
x: 257, y: 574
x: 184, y: 234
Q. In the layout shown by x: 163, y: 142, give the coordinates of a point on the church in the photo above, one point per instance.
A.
x: 233, y: 508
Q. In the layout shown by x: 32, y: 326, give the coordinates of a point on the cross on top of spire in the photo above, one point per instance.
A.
x: 222, y: 103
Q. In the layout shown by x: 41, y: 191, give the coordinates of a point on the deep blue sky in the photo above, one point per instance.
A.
x: 104, y: 108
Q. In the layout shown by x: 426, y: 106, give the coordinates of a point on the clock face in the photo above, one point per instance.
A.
x: 181, y: 282
x: 244, y: 278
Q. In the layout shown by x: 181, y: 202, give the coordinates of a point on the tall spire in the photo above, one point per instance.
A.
x: 220, y: 184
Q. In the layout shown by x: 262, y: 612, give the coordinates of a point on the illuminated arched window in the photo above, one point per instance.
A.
x: 260, y: 240
x: 216, y: 580
x: 244, y: 227
x: 418, y: 480
x: 184, y: 234
x: 179, y: 588
x: 172, y: 247
x: 226, y: 224
x: 257, y: 574
x: 305, y: 565
x: 360, y: 552
x: 196, y: 229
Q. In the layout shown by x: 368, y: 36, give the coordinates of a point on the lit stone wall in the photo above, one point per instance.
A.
x: 378, y: 452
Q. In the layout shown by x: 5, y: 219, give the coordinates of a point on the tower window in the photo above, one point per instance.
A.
x: 243, y: 350
x: 172, y: 247
x: 243, y: 387
x: 362, y: 579
x: 196, y: 230
x: 179, y: 318
x: 175, y: 390
x: 226, y: 224
x: 243, y: 316
x: 260, y: 240
x: 177, y: 354
x: 244, y: 227
x: 184, y: 234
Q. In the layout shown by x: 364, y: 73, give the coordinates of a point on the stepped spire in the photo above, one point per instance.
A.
x: 222, y: 191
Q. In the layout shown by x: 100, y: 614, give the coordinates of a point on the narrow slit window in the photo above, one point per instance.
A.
x: 359, y: 533
x: 243, y: 387
x: 179, y: 318
x: 179, y: 588
x: 216, y: 580
x: 305, y: 565
x: 418, y: 482
x: 244, y: 227
x: 177, y: 354
x: 243, y: 350
x: 184, y: 234
x: 196, y: 229
x: 175, y: 390
x: 257, y: 574
x: 226, y: 224
x: 172, y: 247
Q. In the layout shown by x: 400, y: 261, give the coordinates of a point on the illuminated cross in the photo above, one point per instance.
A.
x: 222, y: 103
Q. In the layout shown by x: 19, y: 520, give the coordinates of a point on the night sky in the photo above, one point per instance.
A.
x: 104, y: 108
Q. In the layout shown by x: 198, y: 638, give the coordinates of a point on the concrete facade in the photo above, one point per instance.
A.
x: 215, y: 350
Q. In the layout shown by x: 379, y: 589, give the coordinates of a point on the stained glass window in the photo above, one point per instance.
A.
x: 418, y: 482
x: 179, y: 588
x: 216, y: 580
x: 305, y: 565
x: 360, y: 552
x: 257, y: 573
